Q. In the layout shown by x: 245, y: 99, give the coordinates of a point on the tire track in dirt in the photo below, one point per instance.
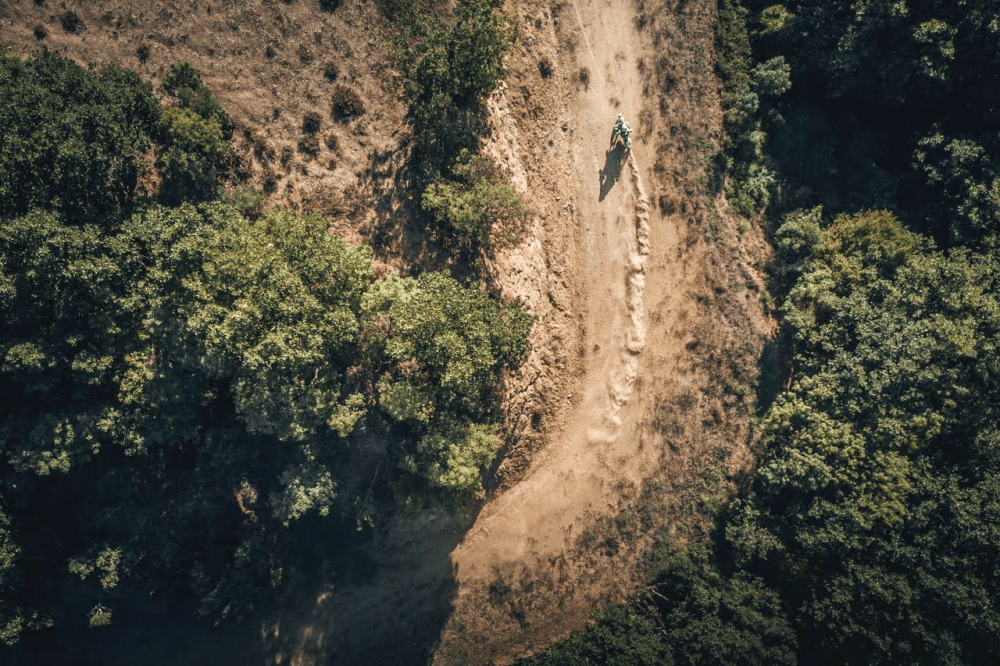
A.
x: 621, y: 381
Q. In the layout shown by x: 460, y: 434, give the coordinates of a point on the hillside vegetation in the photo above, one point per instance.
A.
x: 186, y: 375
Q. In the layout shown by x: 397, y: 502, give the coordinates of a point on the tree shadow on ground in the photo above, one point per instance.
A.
x: 383, y: 598
x: 775, y: 367
x: 612, y: 170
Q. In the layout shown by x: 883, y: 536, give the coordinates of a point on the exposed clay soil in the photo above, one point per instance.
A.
x: 651, y: 319
x: 649, y: 298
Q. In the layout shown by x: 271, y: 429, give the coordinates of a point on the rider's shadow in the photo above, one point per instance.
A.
x: 612, y: 170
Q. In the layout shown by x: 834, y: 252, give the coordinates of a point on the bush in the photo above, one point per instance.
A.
x: 71, y: 22
x: 479, y: 210
x: 194, y: 156
x: 449, y: 69
x: 545, y: 67
x: 309, y: 145
x: 183, y: 81
x: 311, y: 123
x: 331, y: 72
x: 347, y: 102
x: 40, y: 32
x: 619, y: 636
x: 142, y: 52
x: 181, y: 74
x: 72, y: 137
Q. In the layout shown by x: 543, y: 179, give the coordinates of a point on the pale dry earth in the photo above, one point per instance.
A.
x: 648, y: 296
x: 646, y: 312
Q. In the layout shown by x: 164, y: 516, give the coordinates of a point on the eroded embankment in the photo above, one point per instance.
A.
x: 647, y: 301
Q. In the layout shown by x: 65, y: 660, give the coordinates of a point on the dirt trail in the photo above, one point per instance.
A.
x: 635, y: 405
x: 538, y: 514
x: 597, y: 449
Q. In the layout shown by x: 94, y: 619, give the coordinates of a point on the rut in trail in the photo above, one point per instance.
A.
x: 621, y: 381
x: 537, y: 517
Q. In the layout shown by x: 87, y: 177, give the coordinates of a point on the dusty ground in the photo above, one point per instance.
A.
x: 635, y: 410
x: 650, y: 301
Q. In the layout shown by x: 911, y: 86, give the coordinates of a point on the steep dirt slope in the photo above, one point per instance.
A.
x: 270, y: 62
x: 650, y: 318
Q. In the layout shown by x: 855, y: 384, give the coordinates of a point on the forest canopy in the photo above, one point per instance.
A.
x: 195, y: 380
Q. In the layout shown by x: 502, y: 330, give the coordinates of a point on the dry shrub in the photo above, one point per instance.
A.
x: 330, y: 71
x: 270, y: 182
x: 311, y: 123
x: 71, y: 22
x: 309, y: 145
x: 347, y: 102
x: 545, y: 67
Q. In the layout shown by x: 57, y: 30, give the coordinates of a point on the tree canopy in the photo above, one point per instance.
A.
x: 194, y: 380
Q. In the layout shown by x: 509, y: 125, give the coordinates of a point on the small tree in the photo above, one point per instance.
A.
x: 194, y: 156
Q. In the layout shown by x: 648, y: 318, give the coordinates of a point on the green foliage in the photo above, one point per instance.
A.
x: 194, y: 155
x: 449, y: 69
x: 694, y: 614
x: 966, y: 174
x: 712, y: 618
x: 618, y: 637
x: 478, y: 208
x: 270, y: 306
x: 463, y: 59
x: 188, y: 334
x: 875, y: 503
x: 751, y: 178
x: 437, y: 350
x: 772, y: 78
x: 897, y: 109
x: 73, y: 138
x: 183, y: 81
x: 11, y: 617
x: 190, y: 379
x: 798, y: 238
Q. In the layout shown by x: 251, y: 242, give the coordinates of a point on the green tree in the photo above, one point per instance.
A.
x: 73, y: 138
x: 713, y: 618
x: 478, y: 208
x: 183, y: 82
x: 194, y: 155
x: 618, y: 637
x: 449, y: 69
x: 896, y: 108
x: 873, y: 507
x: 436, y: 350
